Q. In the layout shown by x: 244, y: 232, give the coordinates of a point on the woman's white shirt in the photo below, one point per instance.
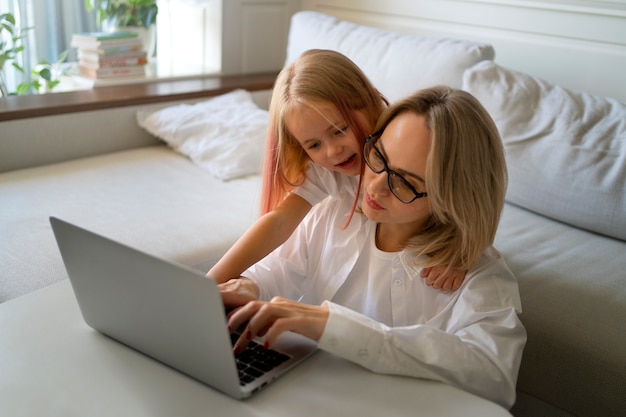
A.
x: 385, y: 318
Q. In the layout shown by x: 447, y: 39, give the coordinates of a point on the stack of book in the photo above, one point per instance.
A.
x: 103, y: 55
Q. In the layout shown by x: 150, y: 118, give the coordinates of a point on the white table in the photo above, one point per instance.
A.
x: 53, y: 364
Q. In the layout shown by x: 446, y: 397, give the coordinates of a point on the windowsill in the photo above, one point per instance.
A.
x: 142, y: 91
x: 155, y: 71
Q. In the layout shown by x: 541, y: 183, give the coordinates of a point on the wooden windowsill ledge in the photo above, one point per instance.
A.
x: 37, y: 105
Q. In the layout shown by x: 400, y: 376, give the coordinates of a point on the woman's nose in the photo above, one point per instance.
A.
x: 378, y: 183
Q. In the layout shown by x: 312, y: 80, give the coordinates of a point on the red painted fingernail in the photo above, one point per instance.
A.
x: 249, y: 335
x: 236, y: 350
x: 266, y: 345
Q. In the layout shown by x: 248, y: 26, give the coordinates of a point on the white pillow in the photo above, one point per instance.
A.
x: 566, y: 150
x: 396, y: 64
x: 224, y: 135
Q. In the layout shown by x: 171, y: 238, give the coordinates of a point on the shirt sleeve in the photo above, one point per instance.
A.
x: 321, y: 183
x: 482, y: 357
x: 283, y: 272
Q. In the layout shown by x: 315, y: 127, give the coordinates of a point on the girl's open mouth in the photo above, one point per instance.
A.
x: 347, y: 162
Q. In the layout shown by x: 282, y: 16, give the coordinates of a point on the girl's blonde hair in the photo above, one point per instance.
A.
x: 466, y: 176
x: 318, y: 76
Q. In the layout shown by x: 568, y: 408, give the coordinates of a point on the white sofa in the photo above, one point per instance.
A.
x: 563, y: 230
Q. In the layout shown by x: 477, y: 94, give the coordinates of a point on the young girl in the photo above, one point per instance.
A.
x: 322, y: 108
x: 425, y: 202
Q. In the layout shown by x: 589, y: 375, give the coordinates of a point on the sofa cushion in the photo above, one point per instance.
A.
x: 571, y: 283
x: 150, y: 198
x: 396, y: 64
x: 224, y: 135
x: 566, y: 150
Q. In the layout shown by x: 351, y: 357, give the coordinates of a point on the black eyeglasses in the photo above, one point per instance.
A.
x: 400, y: 187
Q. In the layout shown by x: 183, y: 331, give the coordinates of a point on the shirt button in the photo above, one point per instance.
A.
x: 397, y: 283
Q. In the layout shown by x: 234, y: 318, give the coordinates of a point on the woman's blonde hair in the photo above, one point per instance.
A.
x: 318, y: 76
x: 466, y: 176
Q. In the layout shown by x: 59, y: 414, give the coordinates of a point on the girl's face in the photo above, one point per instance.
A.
x: 326, y: 138
x: 404, y: 145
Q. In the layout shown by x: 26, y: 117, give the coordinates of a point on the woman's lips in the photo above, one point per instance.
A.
x: 373, y: 204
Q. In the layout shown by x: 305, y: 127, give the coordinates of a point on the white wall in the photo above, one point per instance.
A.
x: 255, y: 34
x: 227, y: 36
x: 578, y: 44
x: 189, y: 38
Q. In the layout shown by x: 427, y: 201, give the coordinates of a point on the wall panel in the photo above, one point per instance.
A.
x: 255, y: 34
x: 578, y: 44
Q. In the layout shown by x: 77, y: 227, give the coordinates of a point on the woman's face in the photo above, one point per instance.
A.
x: 405, y: 145
x: 325, y: 137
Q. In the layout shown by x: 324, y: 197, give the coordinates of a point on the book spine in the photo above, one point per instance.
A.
x: 94, y: 57
x: 112, y: 50
x: 106, y: 44
x: 105, y: 63
x: 102, y: 36
x: 111, y: 71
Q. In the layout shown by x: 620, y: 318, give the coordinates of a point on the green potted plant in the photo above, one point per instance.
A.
x: 124, y: 13
x: 45, y: 75
x: 137, y: 16
x: 10, y: 48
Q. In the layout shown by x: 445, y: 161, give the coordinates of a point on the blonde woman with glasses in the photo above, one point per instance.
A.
x: 433, y: 191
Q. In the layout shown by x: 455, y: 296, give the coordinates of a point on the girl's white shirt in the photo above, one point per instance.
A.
x: 320, y: 183
x: 385, y: 318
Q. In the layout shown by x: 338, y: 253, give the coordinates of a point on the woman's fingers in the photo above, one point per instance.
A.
x: 260, y: 317
x: 271, y: 319
x: 237, y: 318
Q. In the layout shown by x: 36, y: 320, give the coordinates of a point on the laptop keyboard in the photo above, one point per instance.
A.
x: 256, y: 360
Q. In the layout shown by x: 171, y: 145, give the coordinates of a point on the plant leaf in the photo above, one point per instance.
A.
x: 46, y: 74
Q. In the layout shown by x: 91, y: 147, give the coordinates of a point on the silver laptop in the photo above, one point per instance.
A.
x: 169, y: 312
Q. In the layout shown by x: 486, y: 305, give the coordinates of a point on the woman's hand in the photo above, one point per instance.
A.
x: 270, y: 319
x: 238, y: 291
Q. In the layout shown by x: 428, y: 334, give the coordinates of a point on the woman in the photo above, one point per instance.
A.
x: 433, y: 193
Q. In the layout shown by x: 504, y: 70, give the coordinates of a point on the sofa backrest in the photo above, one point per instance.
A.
x: 396, y: 64
x: 565, y: 149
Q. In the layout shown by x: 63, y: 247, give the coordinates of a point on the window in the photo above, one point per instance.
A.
x: 52, y: 24
x: 188, y: 34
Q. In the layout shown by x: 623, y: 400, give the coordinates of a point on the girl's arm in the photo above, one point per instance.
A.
x: 266, y: 234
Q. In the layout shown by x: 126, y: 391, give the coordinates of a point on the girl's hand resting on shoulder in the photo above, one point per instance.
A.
x: 270, y: 319
x: 441, y: 278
